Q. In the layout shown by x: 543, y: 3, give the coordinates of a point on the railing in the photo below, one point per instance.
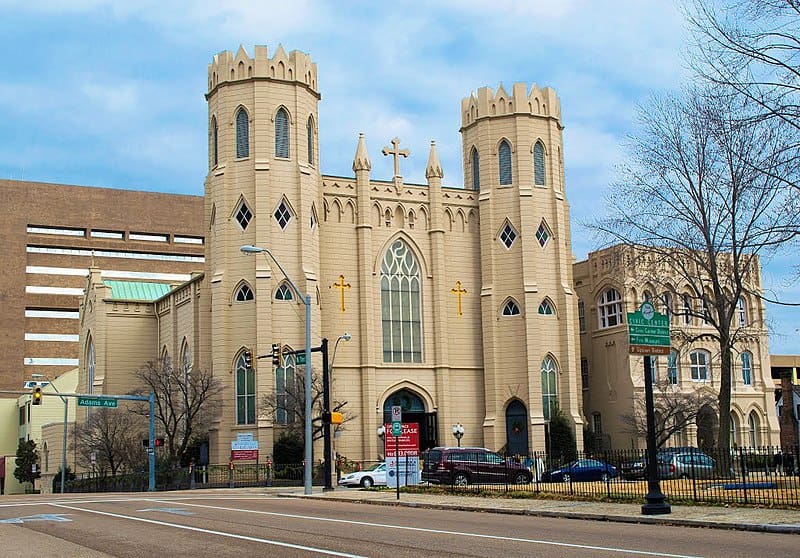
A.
x: 209, y: 476
x: 747, y: 476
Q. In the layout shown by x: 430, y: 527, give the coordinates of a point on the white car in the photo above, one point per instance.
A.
x: 374, y: 476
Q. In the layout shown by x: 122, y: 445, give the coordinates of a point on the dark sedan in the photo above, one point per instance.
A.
x: 582, y: 470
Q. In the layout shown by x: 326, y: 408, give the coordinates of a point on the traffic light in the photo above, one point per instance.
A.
x: 37, y: 396
x: 159, y: 442
x: 248, y: 359
x: 276, y: 354
x: 332, y: 417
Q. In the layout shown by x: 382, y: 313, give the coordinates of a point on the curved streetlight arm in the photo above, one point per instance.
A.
x: 251, y: 249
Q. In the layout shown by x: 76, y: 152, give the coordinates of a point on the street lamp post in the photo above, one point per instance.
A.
x: 327, y: 403
x: 64, y: 444
x: 307, y: 465
x: 458, y: 432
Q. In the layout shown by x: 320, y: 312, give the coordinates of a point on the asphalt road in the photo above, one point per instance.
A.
x: 253, y: 525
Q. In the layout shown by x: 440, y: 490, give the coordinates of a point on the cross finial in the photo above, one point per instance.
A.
x: 396, y: 152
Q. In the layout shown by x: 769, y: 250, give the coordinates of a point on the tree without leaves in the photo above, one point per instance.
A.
x: 751, y: 49
x: 699, y: 199
x: 115, y: 437
x: 291, y: 403
x: 186, y: 403
x: 674, y: 410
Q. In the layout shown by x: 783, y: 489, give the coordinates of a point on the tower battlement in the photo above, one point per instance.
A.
x: 296, y: 66
x: 486, y: 103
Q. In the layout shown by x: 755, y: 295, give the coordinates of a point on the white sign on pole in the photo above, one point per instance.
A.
x: 406, y: 468
x: 397, y: 413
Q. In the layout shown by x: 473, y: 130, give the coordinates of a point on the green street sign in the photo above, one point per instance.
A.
x: 97, y: 402
x: 648, y: 331
x: 300, y: 359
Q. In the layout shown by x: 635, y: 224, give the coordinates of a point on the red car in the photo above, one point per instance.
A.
x: 463, y: 466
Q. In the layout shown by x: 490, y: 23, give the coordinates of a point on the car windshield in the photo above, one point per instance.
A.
x: 375, y: 467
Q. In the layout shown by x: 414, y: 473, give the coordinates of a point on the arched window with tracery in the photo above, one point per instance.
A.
x: 245, y: 392
x: 401, y: 304
x: 549, y: 387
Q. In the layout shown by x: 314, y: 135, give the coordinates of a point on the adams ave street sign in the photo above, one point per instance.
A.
x: 648, y: 331
x: 97, y: 402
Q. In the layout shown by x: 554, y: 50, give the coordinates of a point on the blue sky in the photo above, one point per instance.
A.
x: 110, y: 93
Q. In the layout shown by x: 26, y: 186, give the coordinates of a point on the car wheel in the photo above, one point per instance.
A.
x: 366, y: 482
x: 521, y: 478
x: 566, y: 478
x: 461, y: 479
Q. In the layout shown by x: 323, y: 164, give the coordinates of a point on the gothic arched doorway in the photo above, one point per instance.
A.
x: 707, y: 426
x: 516, y: 428
x: 413, y: 411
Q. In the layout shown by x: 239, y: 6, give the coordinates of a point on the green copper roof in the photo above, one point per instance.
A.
x: 136, y: 290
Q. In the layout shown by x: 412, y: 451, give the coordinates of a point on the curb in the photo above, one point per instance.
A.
x: 614, y: 518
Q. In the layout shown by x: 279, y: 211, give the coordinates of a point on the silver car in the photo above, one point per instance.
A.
x: 694, y: 465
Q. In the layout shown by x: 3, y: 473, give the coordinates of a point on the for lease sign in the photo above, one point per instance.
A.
x: 407, y: 443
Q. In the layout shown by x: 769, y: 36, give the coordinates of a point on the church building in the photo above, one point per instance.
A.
x: 459, y: 299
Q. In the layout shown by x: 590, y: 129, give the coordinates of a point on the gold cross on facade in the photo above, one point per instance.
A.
x: 396, y: 152
x: 458, y: 291
x: 341, y: 285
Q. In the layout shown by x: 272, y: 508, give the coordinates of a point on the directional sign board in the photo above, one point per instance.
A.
x: 97, y: 402
x: 648, y: 331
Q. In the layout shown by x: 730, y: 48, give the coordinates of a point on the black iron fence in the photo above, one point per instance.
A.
x: 208, y: 476
x: 748, y: 476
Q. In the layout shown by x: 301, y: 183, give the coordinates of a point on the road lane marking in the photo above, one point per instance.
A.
x: 176, y: 511
x: 442, y: 531
x: 212, y: 532
x: 57, y: 517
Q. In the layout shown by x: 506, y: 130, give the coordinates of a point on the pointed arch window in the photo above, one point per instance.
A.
x: 735, y: 430
x: 285, y: 400
x: 90, y: 365
x: 511, y: 308
x: 244, y: 293
x: 672, y: 368
x: 284, y: 292
x: 504, y: 162
x: 549, y: 387
x: 476, y: 170
x: 666, y: 305
x: 242, y: 134
x: 747, y: 368
x: 741, y: 309
x: 401, y: 305
x: 243, y: 214
x: 687, y: 309
x: 538, y: 164
x: 282, y: 133
x: 310, y: 139
x: 755, y: 427
x: 245, y: 392
x: 186, y: 357
x: 546, y: 307
x: 610, y: 308
x: 314, y: 218
x: 214, y: 140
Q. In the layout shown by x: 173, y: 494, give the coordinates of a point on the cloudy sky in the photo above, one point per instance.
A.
x: 110, y: 93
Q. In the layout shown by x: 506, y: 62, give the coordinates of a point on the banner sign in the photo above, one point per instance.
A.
x: 407, y: 442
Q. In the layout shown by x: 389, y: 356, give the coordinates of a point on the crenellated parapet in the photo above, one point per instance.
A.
x: 487, y: 103
x: 296, y: 66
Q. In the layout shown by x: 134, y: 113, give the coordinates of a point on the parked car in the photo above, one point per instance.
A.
x: 582, y: 470
x: 637, y: 468
x: 463, y: 466
x: 374, y: 476
x: 687, y: 465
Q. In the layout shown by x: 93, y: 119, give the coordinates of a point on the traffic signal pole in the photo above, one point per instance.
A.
x: 326, y: 414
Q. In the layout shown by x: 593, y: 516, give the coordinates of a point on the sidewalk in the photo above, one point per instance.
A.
x: 739, y: 518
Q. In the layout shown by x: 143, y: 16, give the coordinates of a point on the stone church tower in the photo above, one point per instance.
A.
x: 512, y: 155
x: 263, y: 188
